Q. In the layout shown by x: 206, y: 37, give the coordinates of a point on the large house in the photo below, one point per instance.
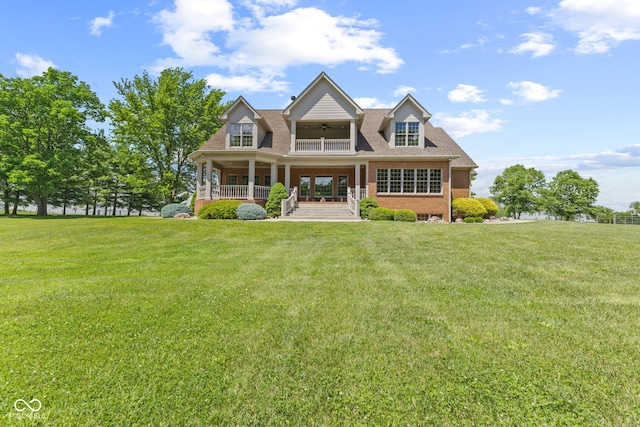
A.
x: 324, y: 148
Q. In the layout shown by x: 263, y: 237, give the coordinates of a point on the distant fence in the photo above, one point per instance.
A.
x: 619, y: 219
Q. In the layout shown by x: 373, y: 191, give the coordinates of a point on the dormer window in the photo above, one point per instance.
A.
x: 407, y: 134
x: 241, y: 135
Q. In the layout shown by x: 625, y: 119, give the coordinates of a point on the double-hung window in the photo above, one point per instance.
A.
x: 241, y: 135
x: 409, y: 181
x: 407, y: 134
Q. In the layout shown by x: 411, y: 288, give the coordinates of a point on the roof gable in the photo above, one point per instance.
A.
x: 323, y: 100
x: 238, y: 103
x: 410, y: 101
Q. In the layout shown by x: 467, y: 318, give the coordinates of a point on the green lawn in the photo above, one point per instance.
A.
x: 144, y: 321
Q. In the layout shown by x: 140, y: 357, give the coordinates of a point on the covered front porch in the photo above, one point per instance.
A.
x: 252, y: 179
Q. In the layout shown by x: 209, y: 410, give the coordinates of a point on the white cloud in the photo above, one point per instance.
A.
x: 466, y: 93
x: 505, y: 101
x: 539, y: 44
x: 32, y: 65
x: 402, y: 91
x: 533, y: 92
x: 97, y: 24
x: 468, y: 123
x: 533, y: 10
x: 369, y: 102
x: 481, y: 41
x: 264, y: 43
x: 247, y: 83
x: 599, y: 24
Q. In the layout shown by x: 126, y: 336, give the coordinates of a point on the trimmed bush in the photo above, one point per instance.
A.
x: 381, y: 214
x: 222, y: 209
x: 405, y: 215
x: 170, y: 210
x: 473, y: 219
x: 464, y: 207
x: 366, y: 204
x: 274, y: 201
x: 489, y: 205
x: 192, y: 203
x: 251, y: 211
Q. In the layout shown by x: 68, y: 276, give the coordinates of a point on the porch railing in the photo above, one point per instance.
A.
x: 354, y: 206
x: 322, y: 145
x: 260, y: 192
x: 289, y: 204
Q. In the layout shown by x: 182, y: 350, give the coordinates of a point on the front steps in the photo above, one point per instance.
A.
x: 318, y: 211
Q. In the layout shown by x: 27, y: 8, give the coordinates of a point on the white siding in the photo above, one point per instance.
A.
x: 323, y: 102
x: 240, y: 114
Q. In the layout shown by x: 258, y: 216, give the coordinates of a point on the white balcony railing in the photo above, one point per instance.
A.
x: 322, y: 145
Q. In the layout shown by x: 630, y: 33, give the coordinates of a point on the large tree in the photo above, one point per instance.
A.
x: 569, y: 195
x: 163, y: 120
x: 519, y: 189
x: 44, y: 130
x: 634, y: 208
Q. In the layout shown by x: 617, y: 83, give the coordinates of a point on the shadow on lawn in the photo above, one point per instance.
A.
x: 34, y: 216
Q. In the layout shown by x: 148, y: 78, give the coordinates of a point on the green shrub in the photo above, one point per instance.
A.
x: 192, y: 204
x: 464, y: 207
x: 366, y: 204
x: 489, y: 205
x: 405, y: 215
x: 170, y: 210
x: 274, y: 201
x: 222, y: 209
x: 472, y: 219
x: 251, y: 211
x: 381, y: 214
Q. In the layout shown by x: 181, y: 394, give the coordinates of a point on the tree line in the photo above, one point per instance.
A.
x: 568, y: 195
x: 54, y: 150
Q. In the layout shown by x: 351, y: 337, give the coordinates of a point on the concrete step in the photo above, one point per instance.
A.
x: 321, y: 212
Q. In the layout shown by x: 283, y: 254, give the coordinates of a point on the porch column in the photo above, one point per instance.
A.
x: 274, y: 173
x: 366, y: 179
x: 293, y: 135
x: 207, y: 194
x: 252, y: 175
x: 353, y: 133
x: 287, y: 176
x: 198, y: 179
x: 358, y: 165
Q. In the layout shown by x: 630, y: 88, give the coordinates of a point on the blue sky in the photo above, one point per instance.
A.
x: 548, y: 84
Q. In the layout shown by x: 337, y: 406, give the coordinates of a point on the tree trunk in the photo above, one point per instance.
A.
x: 41, y: 201
x: 7, y: 196
x: 115, y: 203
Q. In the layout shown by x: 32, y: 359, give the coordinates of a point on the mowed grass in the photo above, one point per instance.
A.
x: 144, y: 321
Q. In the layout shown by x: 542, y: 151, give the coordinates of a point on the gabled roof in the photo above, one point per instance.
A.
x: 257, y: 116
x: 407, y: 99
x: 322, y: 77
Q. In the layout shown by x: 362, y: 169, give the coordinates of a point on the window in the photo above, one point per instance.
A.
x: 324, y: 186
x: 256, y: 180
x: 343, y: 183
x: 267, y: 180
x: 232, y: 179
x: 241, y: 135
x: 407, y: 134
x: 245, y: 179
x: 382, y: 181
x: 409, y: 181
x: 305, y: 186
